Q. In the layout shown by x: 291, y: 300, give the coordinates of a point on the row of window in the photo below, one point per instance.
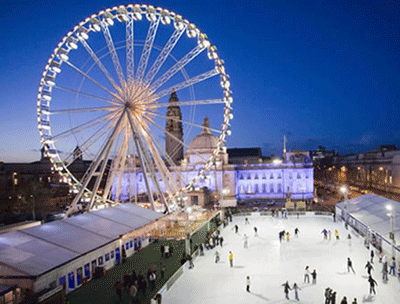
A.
x: 271, y: 176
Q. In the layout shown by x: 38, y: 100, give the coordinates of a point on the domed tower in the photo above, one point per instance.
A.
x: 174, y: 130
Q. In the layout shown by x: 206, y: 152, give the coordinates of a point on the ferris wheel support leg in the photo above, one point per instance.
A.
x: 142, y: 155
x: 78, y: 197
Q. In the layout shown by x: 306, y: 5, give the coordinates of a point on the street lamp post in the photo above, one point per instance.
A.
x: 33, y: 207
x: 346, y: 211
x: 391, y: 215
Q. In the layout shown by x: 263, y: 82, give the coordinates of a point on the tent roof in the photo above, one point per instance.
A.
x: 370, y: 209
x: 36, y: 250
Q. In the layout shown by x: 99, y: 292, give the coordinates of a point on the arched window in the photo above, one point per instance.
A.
x: 255, y: 188
x: 256, y: 176
x: 264, y: 177
x: 271, y: 188
x: 264, y: 188
x: 279, y: 188
x: 271, y: 176
x: 298, y: 176
x: 249, y: 176
x: 241, y: 176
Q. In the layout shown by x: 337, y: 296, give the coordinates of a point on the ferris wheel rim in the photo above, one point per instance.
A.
x: 85, y: 27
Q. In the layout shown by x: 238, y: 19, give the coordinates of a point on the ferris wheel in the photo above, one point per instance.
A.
x: 104, y: 95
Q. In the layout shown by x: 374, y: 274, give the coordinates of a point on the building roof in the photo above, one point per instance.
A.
x: 36, y: 250
x: 370, y: 209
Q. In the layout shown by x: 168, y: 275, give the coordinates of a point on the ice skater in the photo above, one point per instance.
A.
x: 236, y: 228
x: 385, y: 272
x: 246, y: 244
x: 344, y: 300
x: 349, y: 238
x: 327, y: 295
x: 287, y: 236
x: 246, y: 221
x: 393, y: 267
x: 248, y: 284
x: 286, y: 289
x: 372, y: 256
x: 329, y: 234
x: 314, y: 276
x: 216, y: 256
x: 325, y: 233
x: 231, y: 258
x: 372, y: 284
x: 255, y: 231
x: 369, y: 267
x: 336, y: 234
x: 296, y: 232
x: 221, y: 239
x: 350, y: 265
x: 296, y: 291
x: 307, y: 275
x: 354, y: 301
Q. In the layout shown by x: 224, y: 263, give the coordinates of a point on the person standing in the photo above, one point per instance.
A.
x: 221, y: 239
x: 307, y: 275
x: 354, y: 301
x: 248, y: 284
x: 286, y: 289
x: 162, y: 250
x: 372, y: 256
x: 157, y: 299
x: 118, y: 286
x: 349, y: 238
x: 329, y: 234
x: 246, y: 221
x: 287, y: 236
x: 236, y: 228
x: 314, y: 276
x: 344, y: 300
x: 296, y: 291
x: 325, y: 233
x: 231, y: 258
x: 369, y: 267
x: 296, y: 232
x: 350, y: 265
x: 133, y: 292
x: 255, y: 231
x: 152, y: 280
x: 216, y: 256
x: 372, y: 284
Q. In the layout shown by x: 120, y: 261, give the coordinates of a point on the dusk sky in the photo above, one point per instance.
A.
x: 321, y: 72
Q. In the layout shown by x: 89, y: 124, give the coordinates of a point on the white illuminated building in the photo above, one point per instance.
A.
x: 245, y: 178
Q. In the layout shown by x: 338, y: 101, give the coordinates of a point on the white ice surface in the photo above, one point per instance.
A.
x: 270, y: 264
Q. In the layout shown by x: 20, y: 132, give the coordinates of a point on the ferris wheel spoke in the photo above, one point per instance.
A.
x: 185, y: 122
x: 86, y: 94
x: 148, y: 45
x: 81, y: 110
x: 113, y: 53
x: 130, y: 58
x: 89, y: 124
x: 178, y: 140
x: 177, y: 67
x: 187, y: 83
x: 185, y: 103
x: 92, y: 80
x: 99, y: 64
x: 176, y: 35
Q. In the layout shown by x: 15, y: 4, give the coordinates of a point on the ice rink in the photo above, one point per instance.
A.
x: 270, y: 263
